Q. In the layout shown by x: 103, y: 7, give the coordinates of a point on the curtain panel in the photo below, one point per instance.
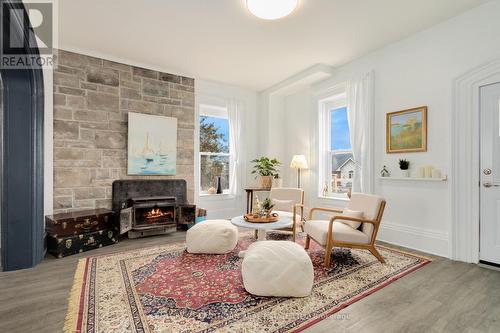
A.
x: 360, y: 103
x: 234, y: 114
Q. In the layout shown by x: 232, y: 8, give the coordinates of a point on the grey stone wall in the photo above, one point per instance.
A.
x: 91, y: 100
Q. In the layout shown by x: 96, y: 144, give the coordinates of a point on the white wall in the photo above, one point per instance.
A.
x: 226, y: 206
x: 298, y: 122
x: 413, y: 72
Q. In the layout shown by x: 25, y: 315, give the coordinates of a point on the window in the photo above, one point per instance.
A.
x: 339, y: 166
x: 342, y: 160
x: 215, y: 154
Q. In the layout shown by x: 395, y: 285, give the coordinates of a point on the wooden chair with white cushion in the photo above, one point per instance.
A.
x: 354, y: 227
x: 289, y: 202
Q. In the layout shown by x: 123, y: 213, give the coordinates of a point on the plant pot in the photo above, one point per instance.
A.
x: 266, y: 181
x: 405, y: 173
x: 277, y: 182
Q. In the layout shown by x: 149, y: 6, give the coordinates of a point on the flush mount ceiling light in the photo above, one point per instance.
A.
x: 271, y: 9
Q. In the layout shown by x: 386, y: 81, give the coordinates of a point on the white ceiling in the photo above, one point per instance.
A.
x: 220, y: 40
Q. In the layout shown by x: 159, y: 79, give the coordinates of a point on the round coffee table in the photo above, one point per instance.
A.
x: 239, y: 221
x: 283, y: 222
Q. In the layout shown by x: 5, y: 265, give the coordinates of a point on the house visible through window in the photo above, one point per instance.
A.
x: 215, y: 154
x: 338, y: 167
x: 343, y: 165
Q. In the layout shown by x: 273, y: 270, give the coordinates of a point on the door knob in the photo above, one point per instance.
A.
x: 487, y: 172
x: 488, y: 185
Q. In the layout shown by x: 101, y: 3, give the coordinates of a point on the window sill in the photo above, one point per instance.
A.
x: 222, y: 196
x: 320, y: 197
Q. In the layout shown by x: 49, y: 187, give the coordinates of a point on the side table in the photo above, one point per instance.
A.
x: 250, y: 191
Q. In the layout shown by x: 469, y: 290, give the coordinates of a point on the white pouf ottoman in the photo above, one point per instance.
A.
x: 277, y: 268
x: 212, y: 237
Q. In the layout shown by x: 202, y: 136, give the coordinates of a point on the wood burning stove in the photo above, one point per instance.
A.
x: 155, y: 214
x: 148, y: 214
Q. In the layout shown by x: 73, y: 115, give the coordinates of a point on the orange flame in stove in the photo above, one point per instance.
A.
x: 155, y: 213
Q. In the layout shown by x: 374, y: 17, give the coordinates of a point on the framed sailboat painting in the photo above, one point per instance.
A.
x: 152, y: 144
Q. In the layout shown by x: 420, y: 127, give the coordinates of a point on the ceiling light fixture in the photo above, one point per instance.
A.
x: 271, y: 9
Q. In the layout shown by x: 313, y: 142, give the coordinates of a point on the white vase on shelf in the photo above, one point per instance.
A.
x: 405, y: 173
x: 428, y: 171
x: 436, y: 174
x: 420, y: 172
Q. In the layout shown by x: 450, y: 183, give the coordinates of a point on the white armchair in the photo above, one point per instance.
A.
x: 355, y: 227
x: 289, y: 202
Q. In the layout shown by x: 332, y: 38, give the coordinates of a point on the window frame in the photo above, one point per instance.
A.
x: 220, y: 112
x: 325, y: 106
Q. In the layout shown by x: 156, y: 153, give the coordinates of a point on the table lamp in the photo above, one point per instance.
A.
x: 298, y: 162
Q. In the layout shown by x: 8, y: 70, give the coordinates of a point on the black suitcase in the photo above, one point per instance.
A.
x: 75, y: 223
x: 66, y: 246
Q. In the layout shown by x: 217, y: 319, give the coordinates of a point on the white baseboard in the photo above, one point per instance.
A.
x: 420, y: 239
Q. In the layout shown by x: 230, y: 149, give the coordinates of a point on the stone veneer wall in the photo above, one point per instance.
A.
x: 91, y: 100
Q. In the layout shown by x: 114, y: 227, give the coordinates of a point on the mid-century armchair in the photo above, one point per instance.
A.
x: 333, y: 233
x: 289, y: 202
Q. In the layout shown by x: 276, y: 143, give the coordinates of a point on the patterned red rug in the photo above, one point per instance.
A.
x: 165, y: 289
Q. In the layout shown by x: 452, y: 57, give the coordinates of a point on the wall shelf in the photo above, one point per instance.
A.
x: 443, y: 179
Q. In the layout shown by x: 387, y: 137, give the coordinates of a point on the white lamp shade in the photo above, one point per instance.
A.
x: 299, y: 162
x: 271, y: 9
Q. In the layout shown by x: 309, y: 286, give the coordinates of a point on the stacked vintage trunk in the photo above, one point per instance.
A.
x: 72, y: 233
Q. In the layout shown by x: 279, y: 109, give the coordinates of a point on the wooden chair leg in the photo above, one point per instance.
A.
x: 294, y: 233
x: 374, y: 251
x: 308, y: 242
x: 328, y: 254
x: 255, y: 233
x: 328, y: 257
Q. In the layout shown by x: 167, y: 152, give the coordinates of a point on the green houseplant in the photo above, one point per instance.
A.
x: 404, y: 165
x: 267, y: 169
x: 267, y: 206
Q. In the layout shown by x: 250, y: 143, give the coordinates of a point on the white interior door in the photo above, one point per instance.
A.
x: 490, y: 174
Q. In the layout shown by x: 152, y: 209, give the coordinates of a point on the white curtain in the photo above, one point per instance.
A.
x: 360, y: 104
x: 234, y: 113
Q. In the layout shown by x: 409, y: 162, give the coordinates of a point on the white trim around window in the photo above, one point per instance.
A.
x: 335, y: 99
x: 213, y: 111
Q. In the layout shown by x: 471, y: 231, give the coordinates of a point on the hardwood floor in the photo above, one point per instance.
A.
x: 444, y: 296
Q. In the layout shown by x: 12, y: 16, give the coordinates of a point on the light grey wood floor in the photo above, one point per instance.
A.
x: 444, y: 296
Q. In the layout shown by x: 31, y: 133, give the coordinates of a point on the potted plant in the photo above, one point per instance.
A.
x: 267, y: 206
x: 404, y: 165
x: 277, y: 181
x: 265, y: 168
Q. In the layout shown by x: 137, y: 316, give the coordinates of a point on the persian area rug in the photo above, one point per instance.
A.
x: 165, y: 289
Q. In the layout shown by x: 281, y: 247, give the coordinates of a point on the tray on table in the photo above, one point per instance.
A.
x: 250, y: 218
